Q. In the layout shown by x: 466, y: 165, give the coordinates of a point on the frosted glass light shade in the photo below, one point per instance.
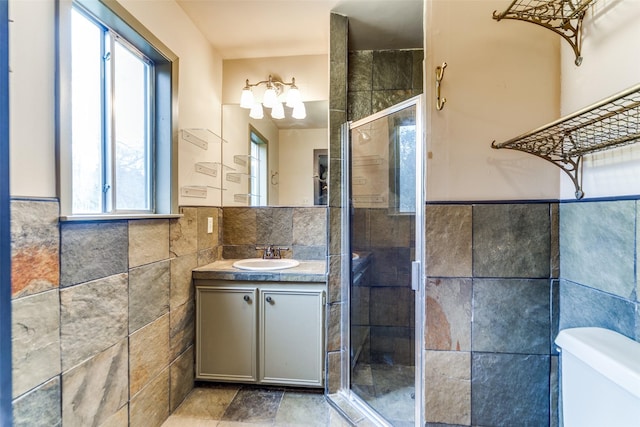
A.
x: 256, y: 111
x: 293, y: 97
x: 270, y: 97
x: 299, y: 111
x: 246, y: 100
x: 277, y: 111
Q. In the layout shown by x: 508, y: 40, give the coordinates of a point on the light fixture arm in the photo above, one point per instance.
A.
x: 274, y: 87
x: 271, y: 82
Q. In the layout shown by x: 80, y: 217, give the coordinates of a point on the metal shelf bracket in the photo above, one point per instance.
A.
x: 563, y: 17
x: 611, y: 123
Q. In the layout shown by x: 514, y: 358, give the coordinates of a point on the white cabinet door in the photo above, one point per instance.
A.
x: 226, y: 334
x: 291, y: 337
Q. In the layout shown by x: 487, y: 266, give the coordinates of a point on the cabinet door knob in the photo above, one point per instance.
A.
x: 247, y: 298
x: 269, y: 299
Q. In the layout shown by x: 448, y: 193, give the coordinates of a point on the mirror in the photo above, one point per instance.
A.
x: 280, y: 158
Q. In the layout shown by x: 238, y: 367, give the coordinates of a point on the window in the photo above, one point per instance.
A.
x: 115, y: 135
x: 406, y: 169
x: 258, y: 171
x: 402, y: 161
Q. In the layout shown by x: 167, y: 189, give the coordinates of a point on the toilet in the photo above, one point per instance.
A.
x: 600, y: 378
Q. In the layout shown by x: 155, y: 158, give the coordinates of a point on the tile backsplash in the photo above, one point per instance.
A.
x: 301, y: 229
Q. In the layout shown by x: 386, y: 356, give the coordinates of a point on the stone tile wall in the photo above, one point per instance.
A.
x: 388, y: 240
x: 600, y: 267
x: 361, y: 83
x: 338, y: 54
x: 103, y: 315
x: 379, y: 79
x: 302, y: 230
x: 489, y: 314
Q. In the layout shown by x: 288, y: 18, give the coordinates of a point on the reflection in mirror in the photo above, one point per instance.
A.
x: 321, y: 176
x: 257, y: 167
x: 274, y: 162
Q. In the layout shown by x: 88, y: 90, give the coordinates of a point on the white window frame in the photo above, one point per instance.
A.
x: 258, y: 168
x: 164, y: 143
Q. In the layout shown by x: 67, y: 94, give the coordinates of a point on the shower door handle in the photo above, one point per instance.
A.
x: 415, y: 275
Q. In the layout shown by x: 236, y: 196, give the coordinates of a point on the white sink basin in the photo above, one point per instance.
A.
x: 259, y: 264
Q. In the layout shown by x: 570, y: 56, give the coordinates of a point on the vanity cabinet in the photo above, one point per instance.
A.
x: 226, y: 320
x: 265, y: 333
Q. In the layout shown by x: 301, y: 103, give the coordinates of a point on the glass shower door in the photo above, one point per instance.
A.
x: 386, y: 201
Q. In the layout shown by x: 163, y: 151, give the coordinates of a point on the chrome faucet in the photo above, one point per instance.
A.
x: 271, y: 252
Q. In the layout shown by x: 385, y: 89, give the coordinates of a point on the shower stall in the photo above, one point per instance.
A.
x: 385, y: 187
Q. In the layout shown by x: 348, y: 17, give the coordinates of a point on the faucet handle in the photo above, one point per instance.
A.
x: 268, y: 251
x: 271, y: 251
x: 277, y: 251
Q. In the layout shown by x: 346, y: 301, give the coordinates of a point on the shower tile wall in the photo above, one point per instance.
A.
x: 338, y: 54
x: 387, y: 239
x: 361, y: 83
x: 599, y: 251
x: 103, y: 315
x: 489, y: 313
x: 379, y: 79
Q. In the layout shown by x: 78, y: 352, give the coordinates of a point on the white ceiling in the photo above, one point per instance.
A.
x: 241, y: 29
x: 267, y: 28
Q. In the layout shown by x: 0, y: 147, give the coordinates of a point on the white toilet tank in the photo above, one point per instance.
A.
x: 600, y: 371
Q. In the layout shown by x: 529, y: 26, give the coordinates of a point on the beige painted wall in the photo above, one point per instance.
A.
x: 31, y: 96
x: 296, y: 152
x: 611, y: 64
x: 32, y: 90
x: 506, y: 78
x: 310, y: 71
x: 501, y: 80
x: 200, y: 88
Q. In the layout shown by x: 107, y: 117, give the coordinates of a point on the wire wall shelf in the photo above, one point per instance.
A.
x: 244, y: 197
x: 563, y: 17
x: 237, y: 176
x: 611, y: 123
x: 368, y: 198
x: 200, y: 137
x: 208, y: 168
x: 359, y: 180
x: 370, y: 160
x: 197, y: 191
x: 243, y: 159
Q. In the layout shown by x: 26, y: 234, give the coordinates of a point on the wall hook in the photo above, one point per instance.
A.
x: 274, y: 178
x: 439, y: 75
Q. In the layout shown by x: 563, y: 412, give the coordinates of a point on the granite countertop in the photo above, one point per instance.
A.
x: 307, y: 271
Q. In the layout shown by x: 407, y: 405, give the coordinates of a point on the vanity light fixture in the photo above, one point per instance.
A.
x: 270, y: 99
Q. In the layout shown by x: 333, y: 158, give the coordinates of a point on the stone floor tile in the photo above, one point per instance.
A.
x: 254, y: 405
x: 178, y: 421
x: 301, y: 408
x: 207, y: 402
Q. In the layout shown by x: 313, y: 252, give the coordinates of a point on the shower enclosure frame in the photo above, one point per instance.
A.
x: 417, y: 267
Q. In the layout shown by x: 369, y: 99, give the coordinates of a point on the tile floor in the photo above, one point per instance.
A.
x: 389, y: 389
x: 233, y: 405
